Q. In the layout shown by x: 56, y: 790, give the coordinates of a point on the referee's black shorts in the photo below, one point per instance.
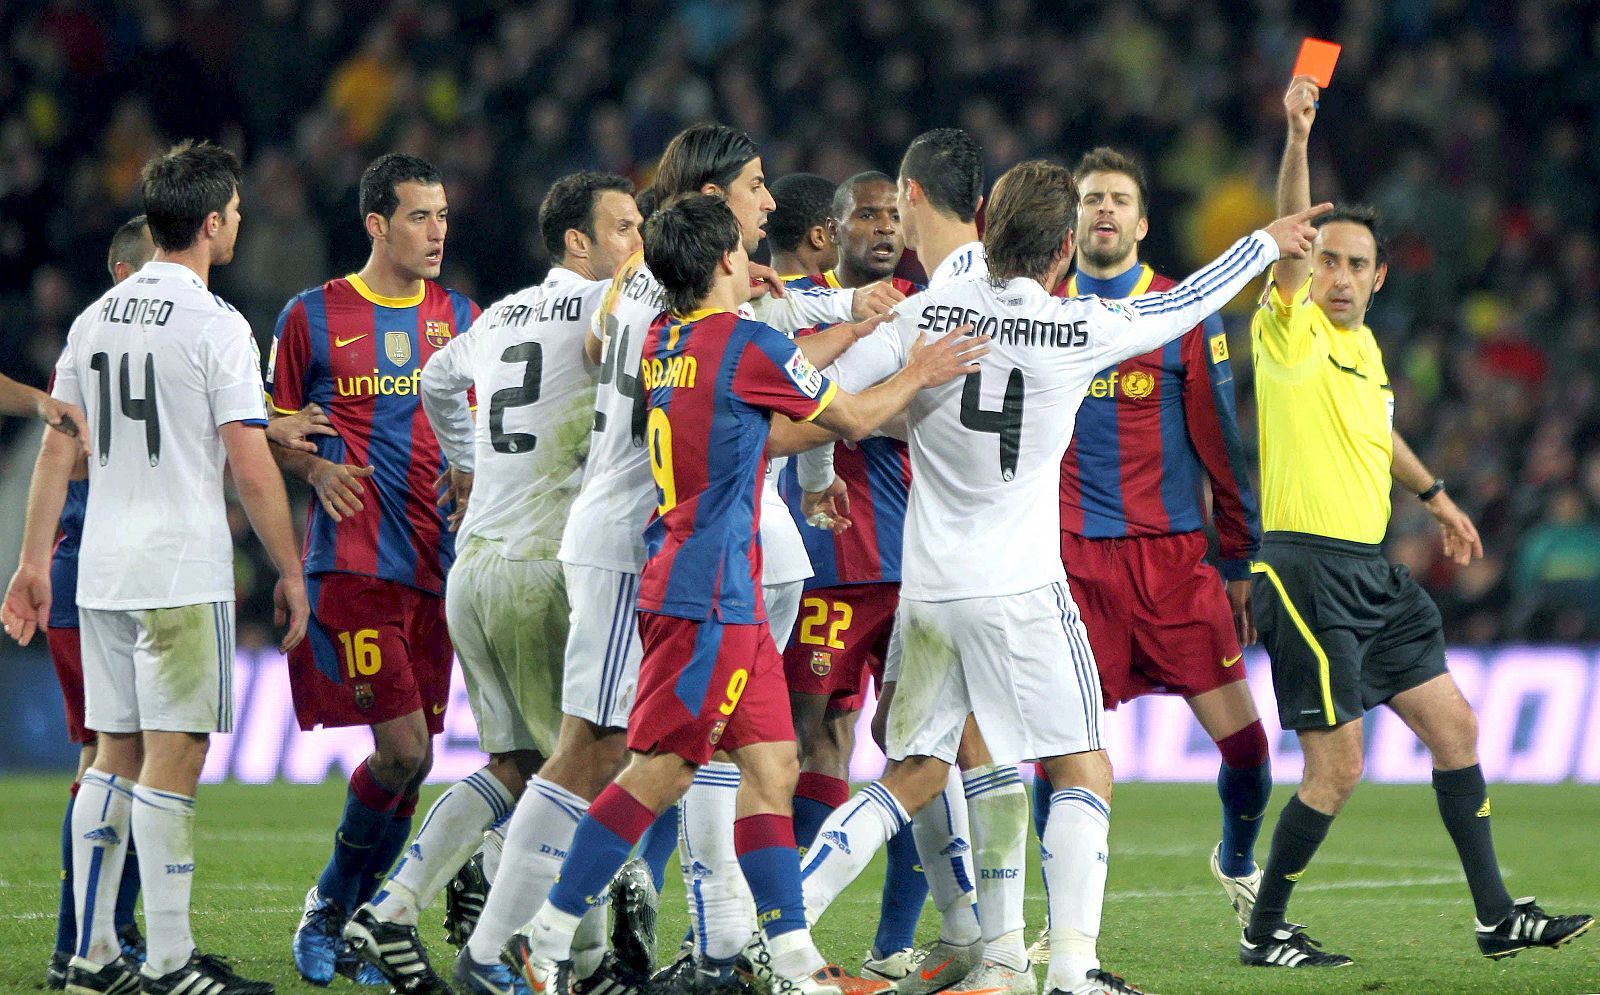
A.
x: 1346, y: 629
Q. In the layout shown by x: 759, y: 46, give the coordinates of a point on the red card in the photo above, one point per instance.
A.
x: 1317, y: 58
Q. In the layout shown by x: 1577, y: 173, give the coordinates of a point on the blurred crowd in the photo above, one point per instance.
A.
x: 1472, y: 124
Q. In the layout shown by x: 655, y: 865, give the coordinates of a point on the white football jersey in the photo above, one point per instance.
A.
x: 984, y: 514
x: 606, y: 527
x: 535, y: 407
x: 158, y: 363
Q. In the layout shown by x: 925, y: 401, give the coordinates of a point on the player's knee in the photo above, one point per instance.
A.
x: 916, y: 781
x: 1245, y: 749
x: 401, y: 761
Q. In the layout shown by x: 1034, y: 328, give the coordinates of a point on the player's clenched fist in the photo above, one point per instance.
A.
x: 1295, y: 233
x: 874, y: 298
x: 1300, y: 103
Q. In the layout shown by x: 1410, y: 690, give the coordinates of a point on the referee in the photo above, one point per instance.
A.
x: 1345, y: 629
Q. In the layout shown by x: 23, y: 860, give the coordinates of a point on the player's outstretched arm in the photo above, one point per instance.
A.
x: 27, y: 601
x: 260, y: 488
x: 29, y: 402
x: 1126, y: 329
x: 1461, y: 542
x: 929, y: 364
x: 823, y: 347
x: 1294, y: 173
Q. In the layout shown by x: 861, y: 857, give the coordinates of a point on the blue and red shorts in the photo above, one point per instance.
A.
x: 375, y: 650
x: 841, y: 636
x: 68, y: 660
x: 1157, y: 613
x: 707, y: 686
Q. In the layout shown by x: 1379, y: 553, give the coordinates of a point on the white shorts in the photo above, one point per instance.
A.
x: 783, y: 607
x: 158, y: 669
x: 1020, y: 664
x: 603, y: 648
x: 508, y: 621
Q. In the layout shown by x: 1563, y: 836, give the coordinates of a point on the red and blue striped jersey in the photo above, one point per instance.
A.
x: 877, y: 477
x: 360, y: 356
x: 713, y: 380
x: 64, y: 560
x: 1149, y: 433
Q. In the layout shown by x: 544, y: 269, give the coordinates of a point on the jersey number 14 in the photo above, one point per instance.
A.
x: 136, y: 408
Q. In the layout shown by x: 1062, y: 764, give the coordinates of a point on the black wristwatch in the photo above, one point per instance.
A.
x: 1432, y: 492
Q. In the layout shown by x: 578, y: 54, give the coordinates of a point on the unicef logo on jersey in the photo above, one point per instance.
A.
x: 1134, y: 385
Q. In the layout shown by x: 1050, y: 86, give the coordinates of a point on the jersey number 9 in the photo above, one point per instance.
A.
x: 659, y: 443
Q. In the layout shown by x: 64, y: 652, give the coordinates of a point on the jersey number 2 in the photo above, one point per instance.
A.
x: 531, y: 353
x: 1006, y: 423
x: 137, y: 408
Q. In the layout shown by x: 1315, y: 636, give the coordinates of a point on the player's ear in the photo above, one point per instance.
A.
x: 1383, y: 273
x: 727, y: 263
x: 712, y: 190
x: 820, y: 236
x: 1141, y: 229
x: 377, y: 225
x: 577, y: 243
x: 832, y: 228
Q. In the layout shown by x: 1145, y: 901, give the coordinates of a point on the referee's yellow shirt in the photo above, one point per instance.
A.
x: 1324, y: 409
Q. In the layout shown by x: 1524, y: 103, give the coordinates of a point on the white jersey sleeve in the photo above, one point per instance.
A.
x: 606, y: 526
x: 445, y: 380
x: 798, y: 309
x: 232, y: 371
x: 535, y: 407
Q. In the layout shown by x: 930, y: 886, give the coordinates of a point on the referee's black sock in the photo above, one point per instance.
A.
x: 1300, y: 830
x: 1464, y: 807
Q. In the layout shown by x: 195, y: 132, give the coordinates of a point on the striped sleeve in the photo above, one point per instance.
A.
x: 1208, y: 410
x: 290, y: 360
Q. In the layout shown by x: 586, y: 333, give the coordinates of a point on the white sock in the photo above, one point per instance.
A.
x: 997, y: 807
x: 849, y: 838
x: 942, y: 836
x: 100, y: 826
x: 164, y: 823
x: 589, y: 943
x: 537, y: 841
x: 550, y: 933
x: 794, y: 955
x: 721, y: 910
x: 1073, y: 853
x: 452, y: 829
x: 494, y: 844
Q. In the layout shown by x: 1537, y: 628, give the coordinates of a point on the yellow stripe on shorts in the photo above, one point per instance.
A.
x: 1307, y: 634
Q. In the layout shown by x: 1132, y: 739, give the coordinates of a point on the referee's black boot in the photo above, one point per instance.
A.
x: 1529, y: 926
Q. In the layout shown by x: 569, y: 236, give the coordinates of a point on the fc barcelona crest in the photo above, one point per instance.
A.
x: 438, y: 333
x: 365, y: 698
x: 397, y: 346
x: 821, y: 662
x: 717, y: 730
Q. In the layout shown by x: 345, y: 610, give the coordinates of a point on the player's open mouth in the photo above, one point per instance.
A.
x: 883, y: 251
x: 435, y: 256
x: 1104, y: 228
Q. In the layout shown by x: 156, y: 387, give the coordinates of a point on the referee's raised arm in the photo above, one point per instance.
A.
x: 1294, y: 175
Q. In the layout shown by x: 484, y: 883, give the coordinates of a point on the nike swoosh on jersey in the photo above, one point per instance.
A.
x: 341, y: 343
x: 1229, y: 663
x: 438, y: 709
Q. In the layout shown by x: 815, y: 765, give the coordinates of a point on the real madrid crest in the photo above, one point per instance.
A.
x: 397, y: 346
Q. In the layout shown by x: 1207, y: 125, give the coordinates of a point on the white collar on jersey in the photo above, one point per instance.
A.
x: 965, y: 262
x: 179, y: 270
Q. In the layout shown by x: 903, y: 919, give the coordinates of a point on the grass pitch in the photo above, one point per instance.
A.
x: 1385, y: 889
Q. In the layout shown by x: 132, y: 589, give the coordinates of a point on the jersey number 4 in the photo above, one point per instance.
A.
x: 1006, y: 423
x: 531, y: 353
x: 136, y: 408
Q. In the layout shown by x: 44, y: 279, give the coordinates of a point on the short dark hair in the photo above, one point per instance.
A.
x: 803, y: 201
x: 684, y: 240
x: 378, y: 195
x: 646, y: 200
x: 1366, y: 216
x: 127, y: 244
x: 844, y: 197
x: 1030, y: 216
x: 948, y: 163
x: 182, y: 187
x: 1108, y: 160
x: 571, y: 203
x: 701, y: 154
